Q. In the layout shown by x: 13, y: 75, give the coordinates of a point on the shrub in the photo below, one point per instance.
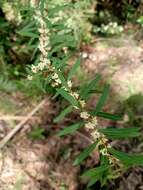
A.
x: 54, y: 30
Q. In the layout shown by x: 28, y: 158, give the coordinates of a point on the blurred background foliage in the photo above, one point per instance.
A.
x: 19, y: 38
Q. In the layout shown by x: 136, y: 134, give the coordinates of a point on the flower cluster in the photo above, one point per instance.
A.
x: 11, y: 13
x: 56, y: 81
x: 44, y: 44
x: 91, y: 125
x: 112, y: 28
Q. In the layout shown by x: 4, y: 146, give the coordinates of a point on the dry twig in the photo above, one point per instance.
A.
x: 20, y: 125
x: 15, y: 118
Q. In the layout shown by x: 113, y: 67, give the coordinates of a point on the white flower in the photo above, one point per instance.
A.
x: 58, y: 81
x: 63, y: 87
x: 84, y: 55
x: 42, y: 50
x: 34, y: 69
x: 69, y: 84
x: 89, y: 125
x: 115, y: 24
x: 82, y: 103
x: 84, y: 115
x: 105, y: 27
x: 109, y: 146
x: 76, y: 95
x: 121, y: 29
x: 41, y: 66
x: 42, y: 30
x: 104, y: 152
x: 29, y: 77
x: 104, y: 140
x: 94, y: 121
x: 55, y: 76
x: 95, y: 134
x: 65, y: 49
x: 54, y: 84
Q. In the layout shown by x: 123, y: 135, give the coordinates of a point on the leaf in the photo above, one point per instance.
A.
x: 59, y: 25
x: 63, y: 114
x: 89, y: 87
x: 28, y: 34
x: 93, y: 180
x: 114, y: 117
x: 83, y: 155
x: 56, y: 9
x: 119, y: 133
x: 58, y: 64
x: 95, y: 171
x: 70, y: 130
x: 29, y: 27
x: 67, y: 40
x: 127, y: 159
x: 73, y: 69
x: 102, y: 100
x: 68, y: 97
x: 29, y: 30
x: 140, y: 20
x: 57, y: 48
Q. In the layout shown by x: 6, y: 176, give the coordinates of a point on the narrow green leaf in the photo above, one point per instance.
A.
x: 70, y: 130
x: 85, y: 91
x: 83, y: 155
x: 58, y: 64
x: 55, y: 10
x: 58, y: 39
x: 95, y: 171
x: 74, y: 69
x: 68, y: 97
x: 28, y: 34
x: 63, y: 114
x: 119, y: 133
x: 93, y: 180
x: 127, y: 159
x: 114, y: 117
x: 102, y: 100
x: 59, y: 25
x: 29, y: 27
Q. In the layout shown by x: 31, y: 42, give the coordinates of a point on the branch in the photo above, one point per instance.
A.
x: 20, y: 125
x: 16, y: 118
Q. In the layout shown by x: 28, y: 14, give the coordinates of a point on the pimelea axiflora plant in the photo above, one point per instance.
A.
x: 58, y: 27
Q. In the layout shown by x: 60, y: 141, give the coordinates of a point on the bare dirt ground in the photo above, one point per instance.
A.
x: 47, y: 164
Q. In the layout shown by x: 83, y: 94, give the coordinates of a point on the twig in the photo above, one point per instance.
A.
x: 15, y: 118
x: 20, y: 125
